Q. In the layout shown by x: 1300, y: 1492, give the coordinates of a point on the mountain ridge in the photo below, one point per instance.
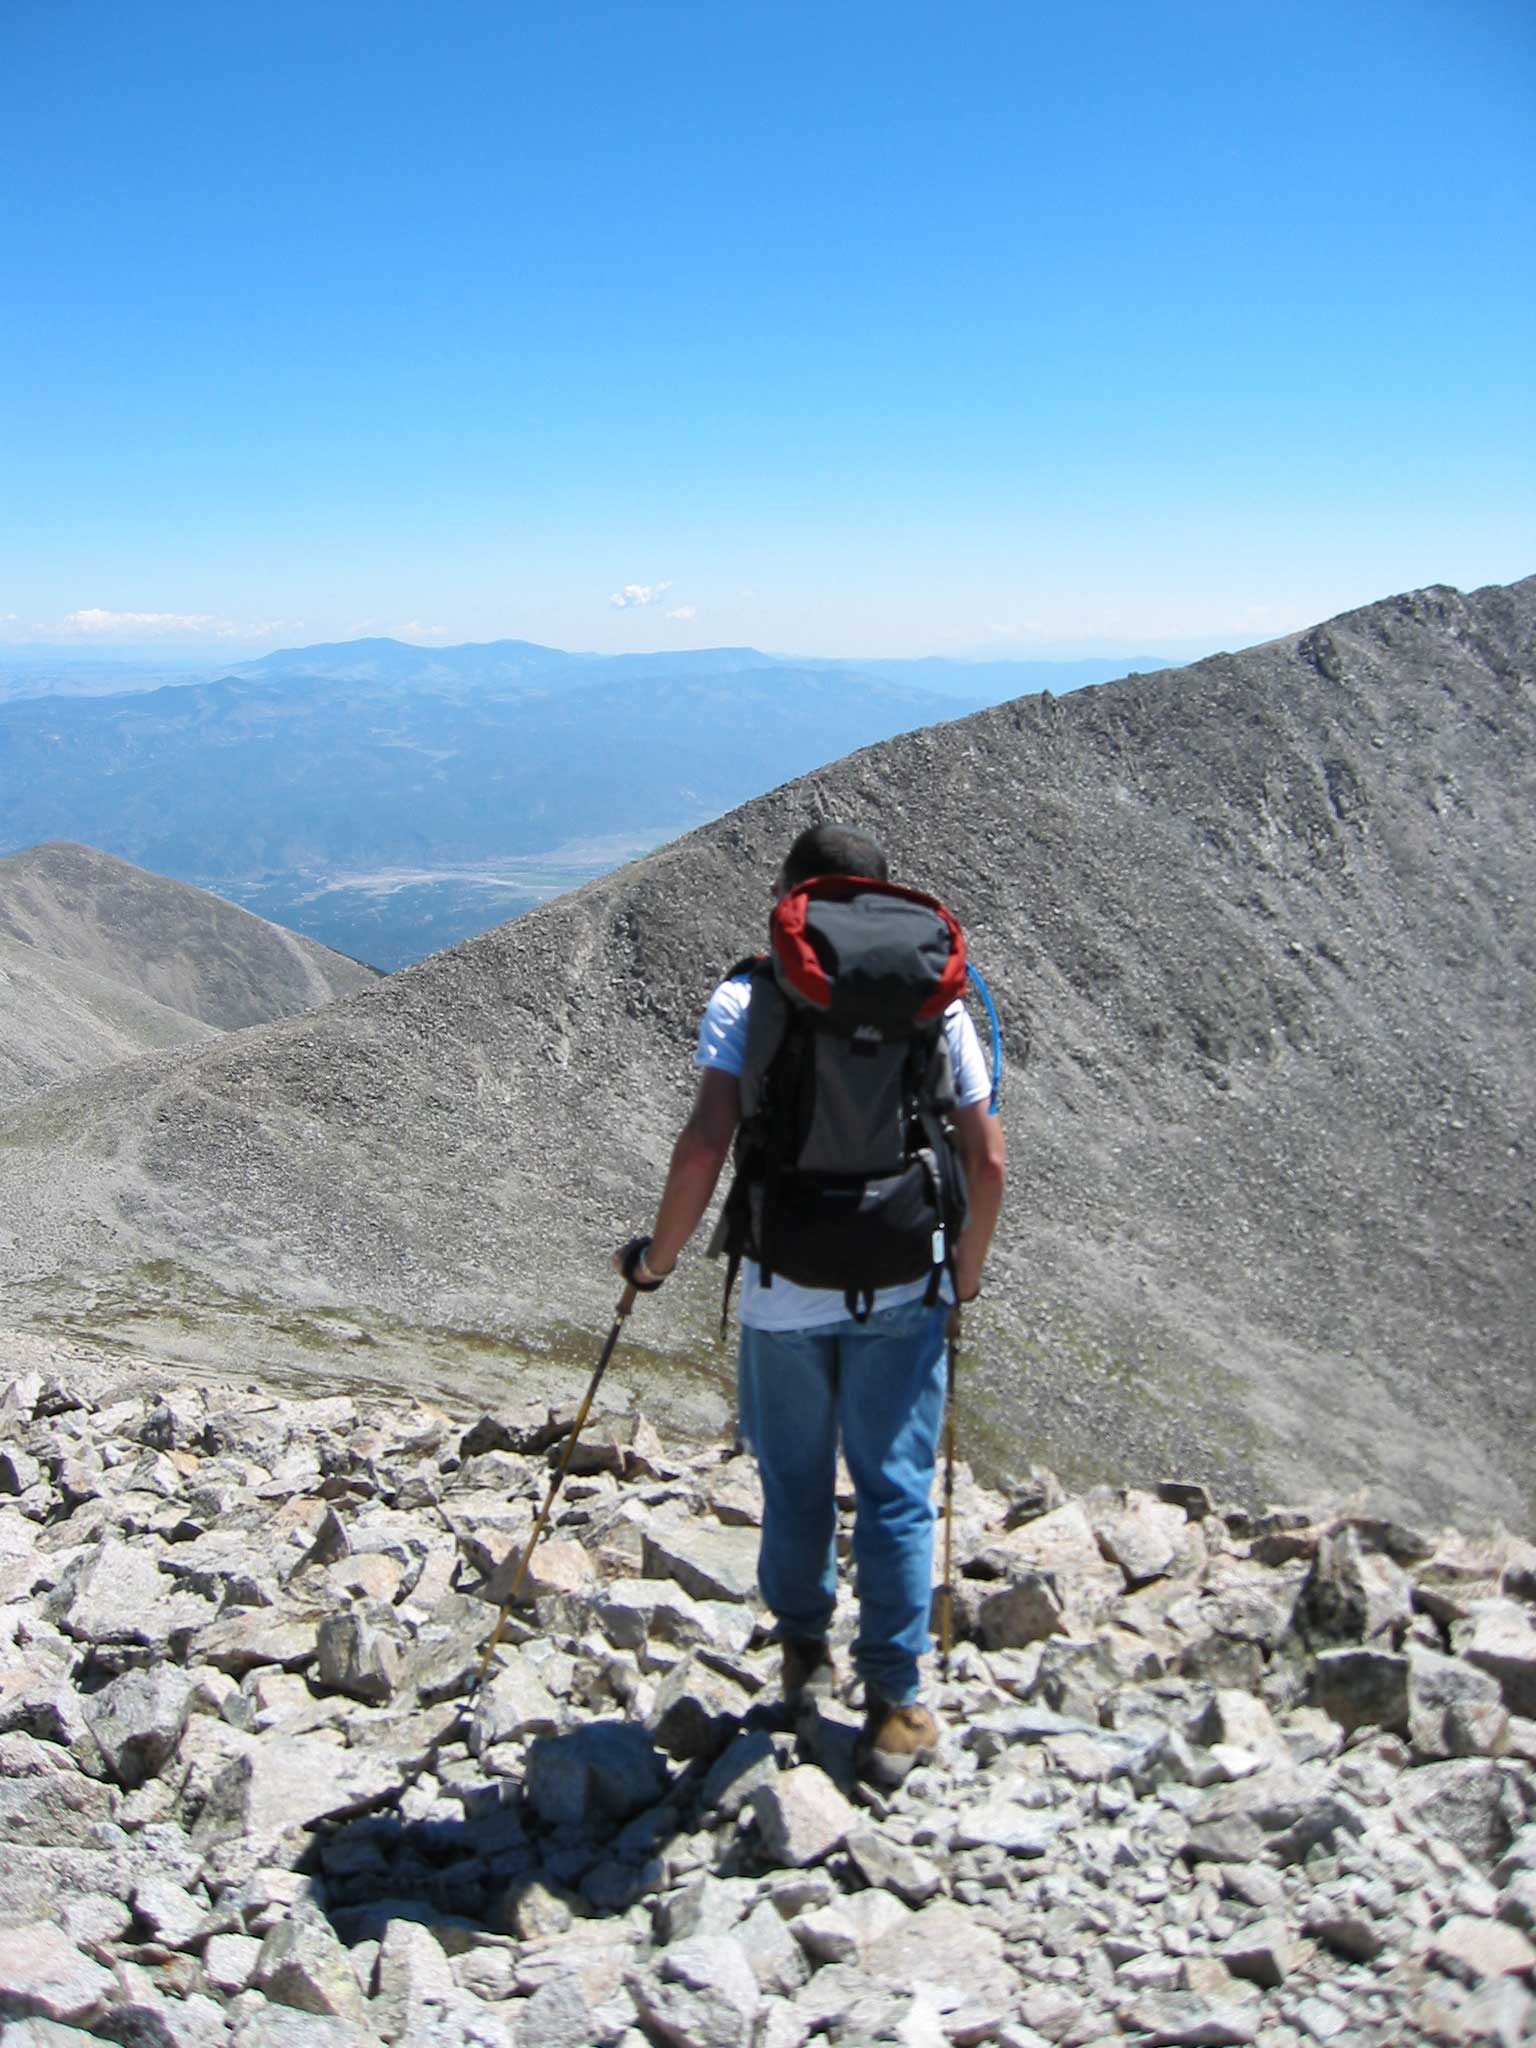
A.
x: 45, y: 671
x: 174, y: 943
x: 1260, y: 918
x: 59, y: 1019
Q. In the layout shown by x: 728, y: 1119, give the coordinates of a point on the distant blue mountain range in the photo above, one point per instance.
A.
x: 390, y: 799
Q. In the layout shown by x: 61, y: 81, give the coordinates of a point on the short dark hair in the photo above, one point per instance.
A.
x: 833, y: 850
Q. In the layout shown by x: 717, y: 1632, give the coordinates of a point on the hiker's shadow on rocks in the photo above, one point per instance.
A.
x: 600, y: 1820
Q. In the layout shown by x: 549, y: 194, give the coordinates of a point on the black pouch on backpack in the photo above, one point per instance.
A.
x: 868, y: 1231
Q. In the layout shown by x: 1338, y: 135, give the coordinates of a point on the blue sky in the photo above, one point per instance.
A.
x: 870, y: 328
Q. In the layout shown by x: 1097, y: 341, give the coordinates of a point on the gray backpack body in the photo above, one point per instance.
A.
x: 846, y: 1172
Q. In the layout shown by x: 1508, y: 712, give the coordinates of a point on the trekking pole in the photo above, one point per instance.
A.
x: 947, y: 1590
x: 626, y: 1303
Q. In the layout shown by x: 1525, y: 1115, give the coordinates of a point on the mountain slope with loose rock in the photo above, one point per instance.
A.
x: 1262, y: 924
x: 177, y: 946
x: 58, y: 1020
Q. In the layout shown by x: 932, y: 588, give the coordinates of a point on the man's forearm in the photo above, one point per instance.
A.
x: 979, y: 1139
x: 985, y: 1206
x: 690, y: 1184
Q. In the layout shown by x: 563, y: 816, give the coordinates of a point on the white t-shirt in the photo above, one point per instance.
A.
x: 723, y: 1049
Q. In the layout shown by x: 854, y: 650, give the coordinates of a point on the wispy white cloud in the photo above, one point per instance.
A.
x: 94, y: 622
x: 634, y: 594
x: 413, y: 629
x: 685, y: 612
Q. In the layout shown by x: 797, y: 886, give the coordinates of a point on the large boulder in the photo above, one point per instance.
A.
x: 596, y: 1776
x: 138, y: 1721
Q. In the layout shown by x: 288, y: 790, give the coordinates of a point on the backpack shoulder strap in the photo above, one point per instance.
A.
x: 767, y: 1022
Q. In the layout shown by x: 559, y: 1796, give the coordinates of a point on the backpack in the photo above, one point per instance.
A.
x: 845, y: 1172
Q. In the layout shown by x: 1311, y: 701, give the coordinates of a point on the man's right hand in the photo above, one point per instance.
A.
x: 630, y: 1260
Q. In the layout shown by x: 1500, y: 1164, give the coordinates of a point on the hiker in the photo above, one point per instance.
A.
x: 821, y: 1361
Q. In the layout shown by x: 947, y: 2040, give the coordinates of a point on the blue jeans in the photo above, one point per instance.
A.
x: 881, y: 1383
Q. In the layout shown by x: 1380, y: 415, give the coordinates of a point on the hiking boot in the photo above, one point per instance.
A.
x: 807, y: 1673
x: 893, y: 1739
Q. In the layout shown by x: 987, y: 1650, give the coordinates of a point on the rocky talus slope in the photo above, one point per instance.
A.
x: 1265, y: 922
x: 58, y: 1020
x: 179, y: 946
x: 1208, y: 1776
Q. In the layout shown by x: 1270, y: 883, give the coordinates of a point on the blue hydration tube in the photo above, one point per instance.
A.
x: 985, y: 993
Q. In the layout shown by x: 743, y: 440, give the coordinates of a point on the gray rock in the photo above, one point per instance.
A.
x: 94, y: 1918
x: 358, y: 1655
x: 1499, y: 1637
x: 302, y: 1964
x: 37, y: 1699
x: 751, y: 1761
x: 229, y: 1961
x: 707, y: 1995
x: 168, y: 1912
x: 1352, y: 1595
x: 44, y: 1976
x: 19, y: 1470
x: 1471, y: 1802
x: 176, y: 1421
x: 600, y: 1774
x: 801, y: 1816
x: 1264, y: 1953
x: 706, y: 1560
x: 1145, y: 1537
x: 630, y: 1611
x: 1004, y: 1824
x: 1288, y: 1812
x: 1362, y: 1688
x: 705, y: 1905
x: 1025, y: 1611
x: 616, y: 1883
x: 285, y: 1783
x: 777, y: 1958
x: 414, y: 1982
x: 894, y: 1867
x: 527, y: 1431
x: 1181, y: 2019
x: 41, y: 2034
x: 556, y: 2016
x: 248, y: 1638
x: 1474, y: 1948
x: 280, y: 2026
x: 846, y: 1930
x: 1517, y: 1901
x: 33, y: 1881
x: 514, y: 1705
x: 1345, y: 1928
x: 944, y: 1950
x: 490, y: 1973
x: 116, y: 1595
x: 138, y: 1721
x: 59, y: 1810
x: 21, y: 1395
x: 1441, y: 1691
x: 800, y: 1891
x: 698, y: 1710
x: 141, y: 2011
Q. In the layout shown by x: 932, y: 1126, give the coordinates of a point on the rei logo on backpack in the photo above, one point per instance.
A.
x: 846, y: 1175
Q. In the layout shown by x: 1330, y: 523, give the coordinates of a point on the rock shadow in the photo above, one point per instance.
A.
x: 582, y: 1833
